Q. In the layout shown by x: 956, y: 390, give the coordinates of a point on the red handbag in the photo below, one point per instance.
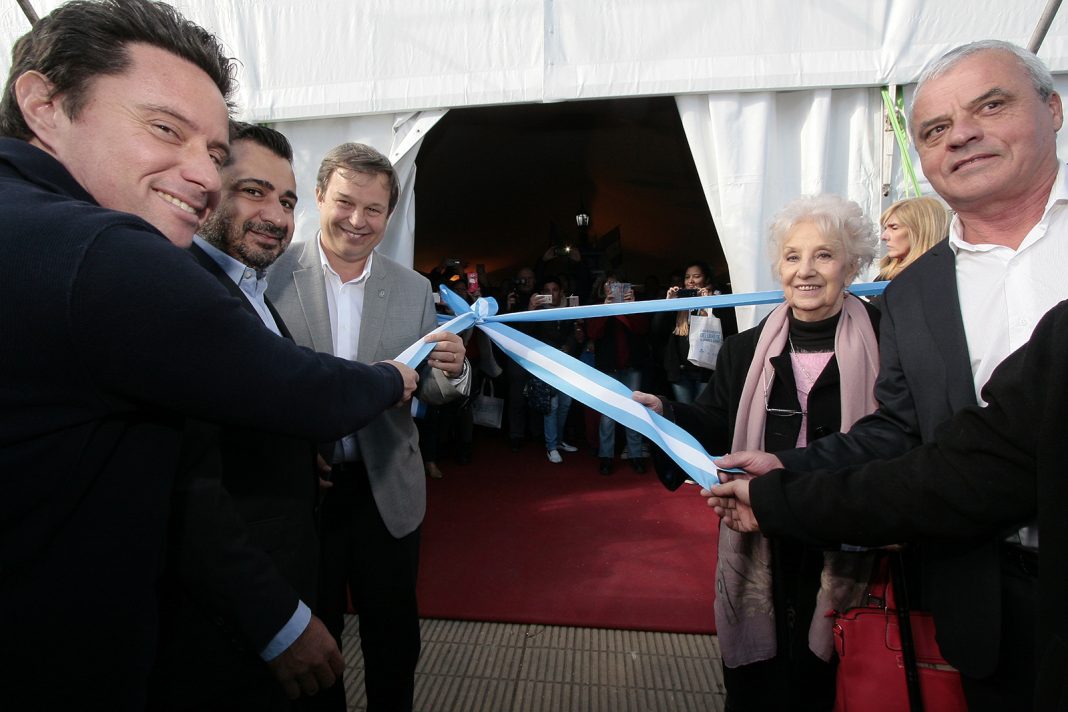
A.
x: 888, y: 660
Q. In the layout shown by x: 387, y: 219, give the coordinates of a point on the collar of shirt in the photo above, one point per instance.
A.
x: 1058, y: 196
x: 252, y: 282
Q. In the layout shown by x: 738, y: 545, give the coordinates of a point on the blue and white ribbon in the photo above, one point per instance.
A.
x: 586, y: 384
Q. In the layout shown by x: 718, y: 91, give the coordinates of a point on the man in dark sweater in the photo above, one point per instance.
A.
x: 115, y: 123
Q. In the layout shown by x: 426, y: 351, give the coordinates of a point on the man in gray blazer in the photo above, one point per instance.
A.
x: 339, y: 296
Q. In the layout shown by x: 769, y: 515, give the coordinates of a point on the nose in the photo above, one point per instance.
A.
x: 885, y: 236
x: 357, y: 217
x: 273, y: 213
x: 964, y: 130
x: 199, y: 168
x: 805, y: 268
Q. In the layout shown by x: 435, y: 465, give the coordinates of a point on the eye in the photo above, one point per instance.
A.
x: 374, y: 211
x: 824, y: 255
x: 791, y: 258
x: 254, y: 192
x: 289, y: 205
x: 993, y: 105
x: 934, y: 132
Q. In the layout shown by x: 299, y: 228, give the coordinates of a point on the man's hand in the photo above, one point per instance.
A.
x: 311, y: 663
x: 650, y: 401
x: 754, y: 462
x: 324, y: 469
x: 448, y: 353
x: 411, y: 380
x: 732, y: 504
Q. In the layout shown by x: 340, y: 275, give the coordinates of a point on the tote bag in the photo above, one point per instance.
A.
x: 487, y: 409
x: 706, y: 338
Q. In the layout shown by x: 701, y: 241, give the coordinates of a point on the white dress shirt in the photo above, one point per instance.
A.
x: 1005, y: 292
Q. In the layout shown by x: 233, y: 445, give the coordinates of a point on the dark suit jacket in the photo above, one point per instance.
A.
x: 925, y: 376
x: 243, y: 552
x: 984, y: 471
x: 111, y: 337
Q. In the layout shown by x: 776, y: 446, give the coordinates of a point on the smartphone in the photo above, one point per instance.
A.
x: 573, y: 300
x: 472, y: 282
x: 543, y: 299
x: 683, y: 293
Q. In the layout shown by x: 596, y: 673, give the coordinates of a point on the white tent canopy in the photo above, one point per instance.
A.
x: 777, y: 97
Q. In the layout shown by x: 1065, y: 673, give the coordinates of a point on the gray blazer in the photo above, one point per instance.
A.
x: 397, y: 310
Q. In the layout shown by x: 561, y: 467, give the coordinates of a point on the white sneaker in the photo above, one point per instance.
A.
x: 554, y: 457
x: 568, y: 448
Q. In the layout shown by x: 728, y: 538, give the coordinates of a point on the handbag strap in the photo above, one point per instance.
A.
x: 898, y: 599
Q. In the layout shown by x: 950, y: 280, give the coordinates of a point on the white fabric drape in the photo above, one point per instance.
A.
x: 756, y: 151
x: 398, y: 136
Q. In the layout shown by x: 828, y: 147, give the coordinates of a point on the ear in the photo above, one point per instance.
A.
x: 40, y: 108
x: 319, y: 197
x: 1056, y: 110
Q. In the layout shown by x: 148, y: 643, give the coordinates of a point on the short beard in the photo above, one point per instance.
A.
x: 218, y: 229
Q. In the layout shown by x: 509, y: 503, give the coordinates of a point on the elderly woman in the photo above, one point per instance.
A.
x: 910, y: 228
x: 805, y: 371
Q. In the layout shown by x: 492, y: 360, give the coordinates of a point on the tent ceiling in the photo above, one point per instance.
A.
x: 318, y: 58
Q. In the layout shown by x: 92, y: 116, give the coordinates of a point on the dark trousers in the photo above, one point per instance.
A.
x: 381, y: 573
x: 1012, y: 685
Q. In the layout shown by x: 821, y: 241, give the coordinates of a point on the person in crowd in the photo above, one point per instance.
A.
x: 804, y: 372
x: 568, y: 336
x: 621, y: 351
x: 986, y: 471
x: 910, y: 228
x: 236, y: 602
x: 115, y: 124
x: 517, y: 297
x: 688, y: 380
x: 984, y: 120
x: 338, y: 295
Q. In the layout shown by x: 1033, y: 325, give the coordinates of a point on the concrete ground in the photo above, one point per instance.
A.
x: 471, y: 666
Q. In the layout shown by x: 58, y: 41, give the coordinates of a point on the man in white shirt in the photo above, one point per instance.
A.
x: 984, y: 121
x: 244, y: 550
x: 339, y: 296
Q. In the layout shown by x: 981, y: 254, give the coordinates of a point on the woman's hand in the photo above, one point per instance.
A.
x: 650, y: 401
x: 673, y: 292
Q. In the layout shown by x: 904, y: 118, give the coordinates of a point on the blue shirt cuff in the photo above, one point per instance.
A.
x: 290, y: 632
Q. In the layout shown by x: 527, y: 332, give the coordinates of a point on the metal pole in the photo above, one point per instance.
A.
x: 1043, y: 25
x: 28, y: 10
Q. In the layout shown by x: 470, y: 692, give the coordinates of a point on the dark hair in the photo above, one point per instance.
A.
x: 84, y: 39
x: 265, y: 136
x: 701, y: 265
x: 358, y: 158
x: 551, y: 278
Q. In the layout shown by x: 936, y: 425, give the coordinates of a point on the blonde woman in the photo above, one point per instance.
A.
x: 910, y: 228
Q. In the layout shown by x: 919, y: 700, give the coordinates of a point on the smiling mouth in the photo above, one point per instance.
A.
x: 807, y: 287
x: 970, y: 161
x: 177, y: 202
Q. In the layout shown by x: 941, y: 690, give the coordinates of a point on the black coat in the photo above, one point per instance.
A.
x: 982, y: 472
x: 111, y: 337
x: 243, y: 552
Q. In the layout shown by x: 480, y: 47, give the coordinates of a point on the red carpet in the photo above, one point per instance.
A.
x: 511, y: 537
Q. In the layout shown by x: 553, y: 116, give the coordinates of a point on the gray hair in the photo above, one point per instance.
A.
x: 837, y: 219
x: 1040, y: 75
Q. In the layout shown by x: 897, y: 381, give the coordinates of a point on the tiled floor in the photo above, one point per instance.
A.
x: 508, y: 667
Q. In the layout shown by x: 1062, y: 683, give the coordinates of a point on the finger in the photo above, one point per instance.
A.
x: 291, y: 688
x: 308, y: 684
x: 324, y: 674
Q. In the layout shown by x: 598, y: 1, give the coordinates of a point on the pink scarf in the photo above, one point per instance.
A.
x: 745, y: 616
